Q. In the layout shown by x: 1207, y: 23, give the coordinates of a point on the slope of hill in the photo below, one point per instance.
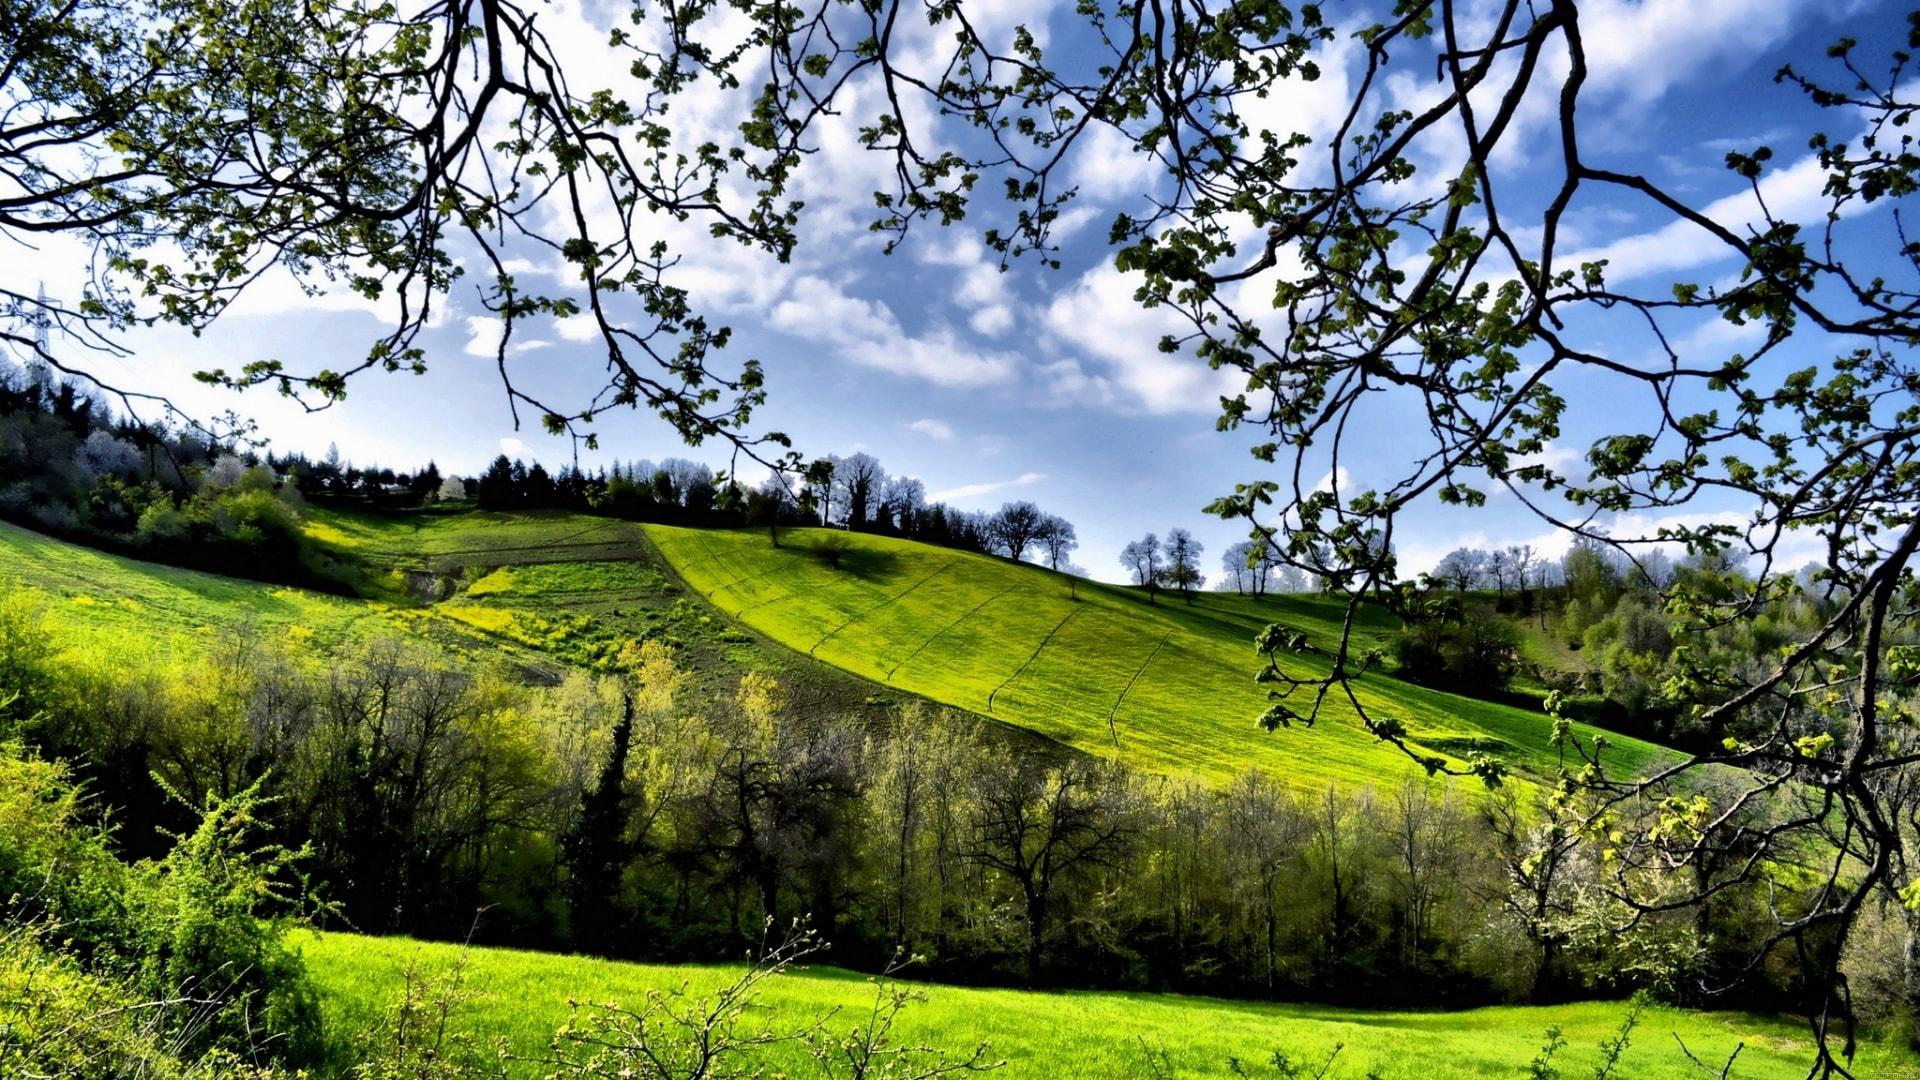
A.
x: 540, y: 593
x: 1168, y: 685
x: 566, y: 589
x: 521, y: 997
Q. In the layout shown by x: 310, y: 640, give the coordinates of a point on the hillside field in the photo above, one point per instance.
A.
x: 1168, y: 685
x: 521, y: 997
x: 536, y: 593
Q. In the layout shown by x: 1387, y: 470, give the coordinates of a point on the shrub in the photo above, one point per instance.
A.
x: 211, y: 919
x: 201, y: 928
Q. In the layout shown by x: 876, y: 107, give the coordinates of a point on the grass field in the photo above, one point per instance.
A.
x: 521, y: 996
x: 539, y: 593
x: 97, y: 599
x: 1167, y: 685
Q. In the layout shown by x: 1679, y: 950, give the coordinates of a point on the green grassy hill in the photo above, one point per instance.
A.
x: 538, y: 593
x: 1167, y: 685
x: 521, y: 997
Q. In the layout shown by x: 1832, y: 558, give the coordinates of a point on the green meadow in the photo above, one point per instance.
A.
x: 521, y: 997
x: 1166, y: 685
x: 96, y: 599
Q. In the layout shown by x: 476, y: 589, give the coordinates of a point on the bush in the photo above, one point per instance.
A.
x: 211, y: 919
x: 60, y: 1022
x: 201, y: 928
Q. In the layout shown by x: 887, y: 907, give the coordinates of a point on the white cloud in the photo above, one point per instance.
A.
x: 1560, y: 459
x: 938, y: 430
x: 483, y: 335
x: 1641, y: 48
x: 483, y: 338
x: 977, y: 282
x: 974, y: 491
x: 866, y: 332
x: 1100, y: 318
x: 1792, y: 194
x: 1337, y: 481
x: 1073, y: 219
x: 515, y: 448
x: 577, y: 328
x: 1108, y: 165
x: 992, y: 321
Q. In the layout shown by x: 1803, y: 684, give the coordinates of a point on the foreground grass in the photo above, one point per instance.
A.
x: 1167, y: 685
x: 521, y: 997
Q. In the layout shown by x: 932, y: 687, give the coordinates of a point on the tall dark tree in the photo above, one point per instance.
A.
x: 598, y: 846
x: 1039, y: 827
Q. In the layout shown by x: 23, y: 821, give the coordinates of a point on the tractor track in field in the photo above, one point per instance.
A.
x: 1114, y: 712
x: 889, y: 601
x: 560, y: 541
x: 920, y: 648
x: 706, y: 552
x: 714, y: 595
x: 544, y: 554
x: 774, y: 599
x: 567, y: 595
x: 1036, y: 655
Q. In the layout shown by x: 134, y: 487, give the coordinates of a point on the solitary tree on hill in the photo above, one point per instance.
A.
x: 1142, y: 560
x: 1015, y: 528
x: 1183, y: 562
x: 1058, y: 539
x: 858, y: 480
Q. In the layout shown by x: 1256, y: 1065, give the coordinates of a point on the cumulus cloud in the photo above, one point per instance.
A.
x: 1641, y: 48
x: 993, y: 320
x: 867, y: 333
x: 577, y: 328
x: 515, y: 448
x: 978, y: 283
x: 1108, y: 165
x: 1794, y: 193
x: 1099, y: 319
x: 938, y: 430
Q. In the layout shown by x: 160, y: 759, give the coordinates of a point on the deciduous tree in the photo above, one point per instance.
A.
x: 1142, y: 560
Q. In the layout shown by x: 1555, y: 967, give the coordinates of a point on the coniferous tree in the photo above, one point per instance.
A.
x: 597, y: 848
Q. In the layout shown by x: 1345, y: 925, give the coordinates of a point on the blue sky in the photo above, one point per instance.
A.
x: 1033, y: 383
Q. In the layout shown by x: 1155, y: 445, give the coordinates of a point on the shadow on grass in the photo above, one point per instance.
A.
x: 840, y: 553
